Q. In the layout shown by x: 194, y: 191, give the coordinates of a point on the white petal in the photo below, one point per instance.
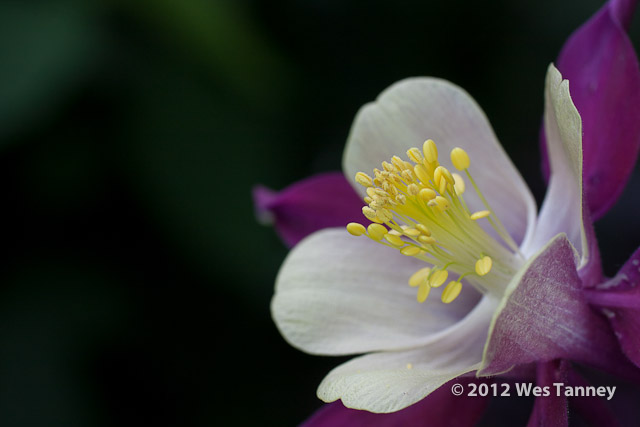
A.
x: 561, y: 210
x: 383, y: 382
x: 340, y: 294
x: 413, y: 110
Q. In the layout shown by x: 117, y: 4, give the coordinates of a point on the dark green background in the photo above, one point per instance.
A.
x: 134, y: 280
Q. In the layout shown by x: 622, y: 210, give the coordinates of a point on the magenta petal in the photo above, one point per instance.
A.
x: 550, y: 410
x: 621, y: 297
x: 602, y: 68
x: 440, y: 408
x: 322, y: 201
x: 546, y: 316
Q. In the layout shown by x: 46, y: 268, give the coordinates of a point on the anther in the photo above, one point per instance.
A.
x: 388, y: 167
x: 370, y: 214
x: 364, y: 179
x: 407, y: 175
x: 430, y: 150
x: 442, y: 203
x: 384, y: 215
x: 413, y: 189
x: 394, y: 240
x: 378, y: 203
x: 458, y: 184
x: 460, y: 159
x: 483, y: 265
x: 451, y: 292
x: 442, y: 177
x: 415, y: 155
x: 419, y: 276
x: 376, y: 231
x: 442, y: 172
x: 398, y: 163
x: 422, y: 174
x: 427, y: 240
x: 410, y: 250
x: 423, y: 292
x: 427, y: 194
x: 423, y: 229
x: 479, y: 215
x: 411, y: 232
x: 438, y: 278
x: 356, y: 229
x: 439, y: 179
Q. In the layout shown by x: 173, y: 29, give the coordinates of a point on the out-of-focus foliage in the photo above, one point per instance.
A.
x: 45, y: 49
x: 134, y: 280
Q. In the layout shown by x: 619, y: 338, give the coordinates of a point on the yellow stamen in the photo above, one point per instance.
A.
x: 483, y: 265
x: 412, y: 232
x: 443, y: 173
x: 415, y: 155
x: 425, y: 216
x: 364, y: 179
x: 427, y: 240
x: 410, y: 250
x: 356, y: 229
x: 438, y: 278
x: 460, y: 159
x: 370, y: 214
x: 376, y: 231
x: 413, y: 189
x: 422, y: 174
x: 430, y: 151
x: 427, y: 194
x: 459, y: 184
x: 479, y: 215
x: 442, y: 203
x: 398, y: 163
x: 451, y: 292
x: 394, y: 240
x: 419, y: 277
x: 423, y: 292
x: 423, y: 229
x: 384, y: 215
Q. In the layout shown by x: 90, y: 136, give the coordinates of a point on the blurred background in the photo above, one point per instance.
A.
x: 135, y: 281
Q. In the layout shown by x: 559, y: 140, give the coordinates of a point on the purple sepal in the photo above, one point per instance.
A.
x: 604, y: 79
x: 550, y: 410
x: 546, y: 317
x: 440, y: 408
x: 593, y: 409
x: 321, y: 201
x: 620, y: 302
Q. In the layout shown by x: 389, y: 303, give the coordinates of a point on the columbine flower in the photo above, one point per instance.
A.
x: 600, y: 62
x: 513, y: 294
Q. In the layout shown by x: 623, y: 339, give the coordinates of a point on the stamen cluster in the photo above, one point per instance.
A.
x: 418, y: 209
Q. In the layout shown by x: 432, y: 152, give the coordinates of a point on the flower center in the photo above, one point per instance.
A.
x: 419, y: 210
